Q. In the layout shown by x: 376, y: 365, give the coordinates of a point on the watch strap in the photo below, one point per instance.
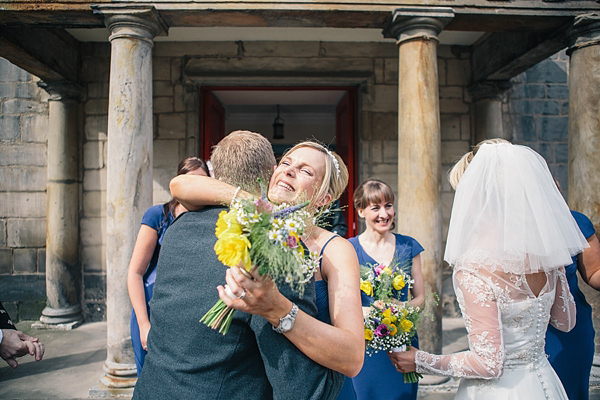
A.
x: 290, y: 316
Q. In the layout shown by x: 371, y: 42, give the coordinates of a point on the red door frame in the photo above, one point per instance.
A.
x: 352, y: 159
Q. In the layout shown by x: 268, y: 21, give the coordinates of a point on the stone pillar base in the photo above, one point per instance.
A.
x: 118, y: 381
x: 57, y: 327
x: 60, y: 318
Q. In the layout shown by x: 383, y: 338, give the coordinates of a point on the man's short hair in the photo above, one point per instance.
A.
x: 241, y: 157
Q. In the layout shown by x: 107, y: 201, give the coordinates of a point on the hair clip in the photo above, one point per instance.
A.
x: 336, y: 163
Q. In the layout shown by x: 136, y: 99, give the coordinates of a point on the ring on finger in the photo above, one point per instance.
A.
x: 241, y: 296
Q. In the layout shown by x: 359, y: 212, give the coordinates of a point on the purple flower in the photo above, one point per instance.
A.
x: 382, y: 330
x: 263, y: 205
x: 292, y: 242
x: 289, y: 210
x: 378, y: 269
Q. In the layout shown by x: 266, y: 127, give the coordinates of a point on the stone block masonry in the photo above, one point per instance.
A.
x: 23, y: 124
x: 537, y: 113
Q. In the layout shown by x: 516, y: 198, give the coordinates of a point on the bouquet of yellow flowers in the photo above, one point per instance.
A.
x: 390, y: 326
x: 258, y: 234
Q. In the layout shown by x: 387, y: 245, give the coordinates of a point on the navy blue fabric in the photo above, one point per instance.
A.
x: 322, y: 302
x: 155, y: 218
x: 572, y: 353
x: 378, y: 378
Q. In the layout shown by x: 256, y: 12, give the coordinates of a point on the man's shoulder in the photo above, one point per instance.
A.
x: 207, y: 215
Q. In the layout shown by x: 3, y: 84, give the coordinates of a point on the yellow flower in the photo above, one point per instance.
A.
x: 366, y: 287
x: 393, y: 329
x: 386, y: 321
x: 398, y: 282
x: 232, y: 249
x: 388, y: 315
x: 368, y: 334
x: 227, y: 223
x: 406, y: 325
x: 387, y: 271
x: 221, y: 223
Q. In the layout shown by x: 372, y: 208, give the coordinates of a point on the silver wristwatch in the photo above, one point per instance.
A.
x: 287, y: 323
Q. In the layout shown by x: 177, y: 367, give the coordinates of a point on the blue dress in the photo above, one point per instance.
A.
x: 571, y: 353
x: 155, y: 218
x: 378, y: 378
x: 322, y: 302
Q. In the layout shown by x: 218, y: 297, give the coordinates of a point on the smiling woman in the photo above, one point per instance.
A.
x: 334, y: 336
x: 379, y: 247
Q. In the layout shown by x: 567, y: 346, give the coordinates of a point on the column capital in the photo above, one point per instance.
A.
x: 62, y: 90
x: 140, y: 22
x: 488, y: 89
x: 584, y: 32
x: 417, y: 23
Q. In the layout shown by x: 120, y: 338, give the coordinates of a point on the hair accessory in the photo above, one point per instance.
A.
x: 211, y: 172
x: 237, y: 190
x: 336, y: 164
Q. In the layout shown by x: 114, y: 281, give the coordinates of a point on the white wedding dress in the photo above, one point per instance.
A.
x: 506, y: 324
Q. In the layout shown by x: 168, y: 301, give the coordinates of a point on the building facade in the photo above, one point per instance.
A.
x: 100, y: 101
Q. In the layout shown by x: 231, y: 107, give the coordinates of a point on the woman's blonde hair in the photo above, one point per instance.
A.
x: 461, y: 165
x: 335, y: 178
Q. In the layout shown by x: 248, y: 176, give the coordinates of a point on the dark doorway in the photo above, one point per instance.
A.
x: 327, y: 114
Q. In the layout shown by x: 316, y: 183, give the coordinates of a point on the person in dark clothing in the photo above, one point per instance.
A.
x: 186, y: 359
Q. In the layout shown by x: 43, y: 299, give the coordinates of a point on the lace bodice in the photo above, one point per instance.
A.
x: 506, y: 322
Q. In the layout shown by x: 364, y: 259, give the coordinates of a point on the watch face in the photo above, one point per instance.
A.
x: 287, y: 324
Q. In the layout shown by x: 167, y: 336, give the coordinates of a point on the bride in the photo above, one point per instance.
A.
x: 510, y: 236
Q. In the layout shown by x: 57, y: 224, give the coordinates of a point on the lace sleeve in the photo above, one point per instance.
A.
x: 485, y: 357
x: 563, y: 312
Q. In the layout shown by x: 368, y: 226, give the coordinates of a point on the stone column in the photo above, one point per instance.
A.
x: 488, y: 97
x: 63, y: 269
x: 129, y: 174
x: 584, y: 131
x: 419, y: 150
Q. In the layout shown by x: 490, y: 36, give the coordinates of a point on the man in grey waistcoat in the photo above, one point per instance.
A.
x: 188, y: 360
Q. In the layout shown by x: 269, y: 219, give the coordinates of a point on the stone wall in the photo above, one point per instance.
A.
x: 535, y: 114
x: 170, y: 146
x: 535, y: 111
x: 23, y: 124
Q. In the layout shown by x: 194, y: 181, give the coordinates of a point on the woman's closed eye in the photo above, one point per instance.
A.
x: 307, y: 171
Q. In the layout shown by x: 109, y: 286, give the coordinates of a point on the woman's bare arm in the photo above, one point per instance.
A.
x: 140, y: 258
x: 196, y: 191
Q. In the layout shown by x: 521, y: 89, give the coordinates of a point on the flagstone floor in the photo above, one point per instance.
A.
x: 73, y: 364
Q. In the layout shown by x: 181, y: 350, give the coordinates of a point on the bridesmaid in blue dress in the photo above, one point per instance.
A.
x: 142, y: 267
x: 374, y: 201
x: 572, y: 353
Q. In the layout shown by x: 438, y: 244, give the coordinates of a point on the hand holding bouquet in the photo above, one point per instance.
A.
x: 258, y: 234
x: 390, y: 326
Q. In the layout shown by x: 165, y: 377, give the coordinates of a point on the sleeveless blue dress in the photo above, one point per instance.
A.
x: 155, y: 219
x: 322, y: 302
x: 378, y: 378
x: 571, y: 353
